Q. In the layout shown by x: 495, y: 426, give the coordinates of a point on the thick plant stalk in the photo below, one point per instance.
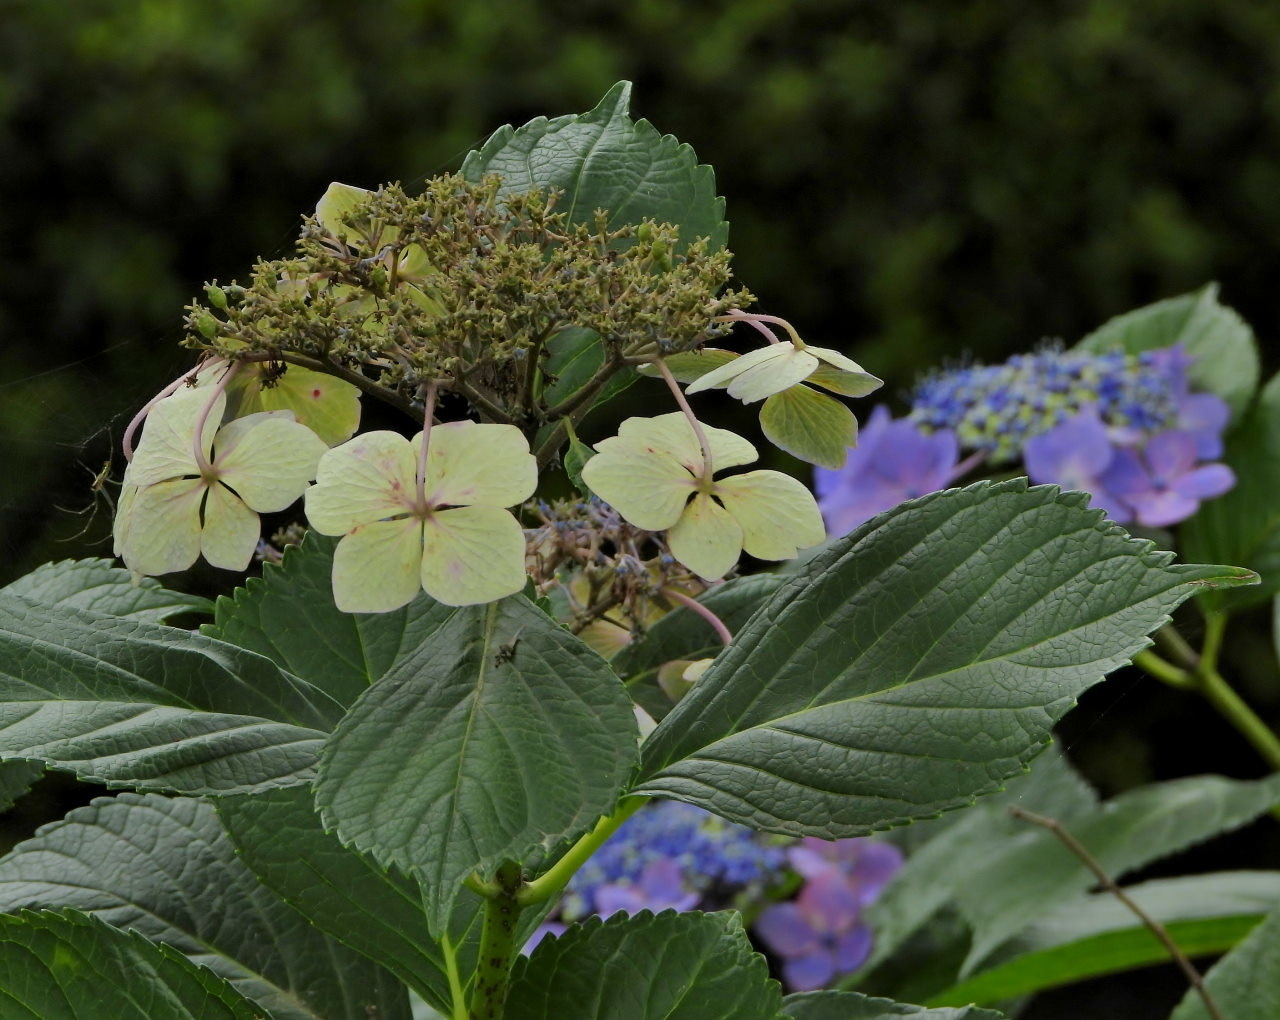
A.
x: 497, y: 945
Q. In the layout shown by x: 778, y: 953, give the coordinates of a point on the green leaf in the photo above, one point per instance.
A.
x: 68, y: 966
x: 575, y: 459
x: 854, y: 1006
x: 129, y: 703
x: 943, y: 863
x: 671, y: 966
x: 102, y: 587
x: 809, y: 425
x: 164, y: 867
x: 16, y: 778
x: 1225, y: 352
x: 683, y: 634
x: 502, y: 733
x: 573, y: 356
x: 347, y: 895
x: 917, y: 663
x: 1034, y: 872
x: 1243, y: 983
x: 689, y: 366
x: 1244, y: 525
x: 1095, y: 935
x: 605, y: 160
x: 288, y: 615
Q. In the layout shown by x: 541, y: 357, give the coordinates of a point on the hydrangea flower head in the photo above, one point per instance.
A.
x: 1158, y: 483
x: 1079, y: 454
x: 893, y: 461
x: 653, y: 473
x: 1163, y: 483
x: 447, y: 532
x: 997, y: 408
x: 769, y: 370
x: 174, y: 508
x: 821, y: 934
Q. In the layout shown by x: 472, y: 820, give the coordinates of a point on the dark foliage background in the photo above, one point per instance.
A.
x: 909, y: 181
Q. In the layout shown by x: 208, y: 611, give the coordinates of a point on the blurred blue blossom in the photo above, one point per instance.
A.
x: 821, y: 934
x: 668, y: 856
x: 893, y: 461
x: 1125, y: 428
x: 996, y: 408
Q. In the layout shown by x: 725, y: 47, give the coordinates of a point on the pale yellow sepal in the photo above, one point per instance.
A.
x: 769, y: 370
x: 457, y: 541
x: 171, y: 510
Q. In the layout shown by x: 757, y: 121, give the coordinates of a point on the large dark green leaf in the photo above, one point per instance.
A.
x: 376, y: 912
x: 16, y: 778
x: 1033, y: 872
x: 940, y: 864
x: 164, y: 867
x: 1243, y: 983
x: 671, y: 966
x: 1244, y: 525
x: 683, y: 634
x: 1225, y: 352
x: 288, y: 615
x: 917, y: 663
x: 501, y: 734
x: 853, y: 1006
x: 605, y: 160
x: 130, y: 703
x: 1097, y: 934
x: 68, y: 966
x: 102, y: 587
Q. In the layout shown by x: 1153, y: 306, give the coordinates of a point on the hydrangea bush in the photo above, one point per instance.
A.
x: 534, y: 712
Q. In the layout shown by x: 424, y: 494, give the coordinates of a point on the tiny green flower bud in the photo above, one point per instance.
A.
x: 217, y: 297
x: 208, y: 326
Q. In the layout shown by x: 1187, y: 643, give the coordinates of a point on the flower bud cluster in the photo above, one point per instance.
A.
x: 465, y: 287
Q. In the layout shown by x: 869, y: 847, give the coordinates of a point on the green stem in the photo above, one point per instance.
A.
x: 549, y: 884
x: 1202, y: 676
x: 589, y: 389
x: 1151, y: 663
x: 457, y: 996
x: 497, y: 946
x: 1234, y: 709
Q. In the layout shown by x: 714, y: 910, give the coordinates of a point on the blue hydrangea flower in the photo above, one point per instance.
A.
x: 821, y: 934
x: 670, y: 855
x: 997, y: 408
x: 1162, y: 482
x: 893, y: 461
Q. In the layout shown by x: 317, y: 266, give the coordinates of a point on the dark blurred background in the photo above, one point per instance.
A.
x: 909, y: 181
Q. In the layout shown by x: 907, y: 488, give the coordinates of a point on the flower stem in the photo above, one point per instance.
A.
x: 197, y: 444
x: 1107, y: 882
x: 717, y: 624
x: 126, y: 442
x: 1201, y: 675
x: 428, y: 415
x: 756, y: 317
x: 554, y: 880
x: 708, y: 469
x: 497, y: 946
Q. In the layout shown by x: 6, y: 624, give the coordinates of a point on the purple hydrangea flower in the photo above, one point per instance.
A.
x: 821, y: 934
x: 893, y: 461
x: 1163, y: 483
x: 660, y: 886
x: 1077, y: 455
